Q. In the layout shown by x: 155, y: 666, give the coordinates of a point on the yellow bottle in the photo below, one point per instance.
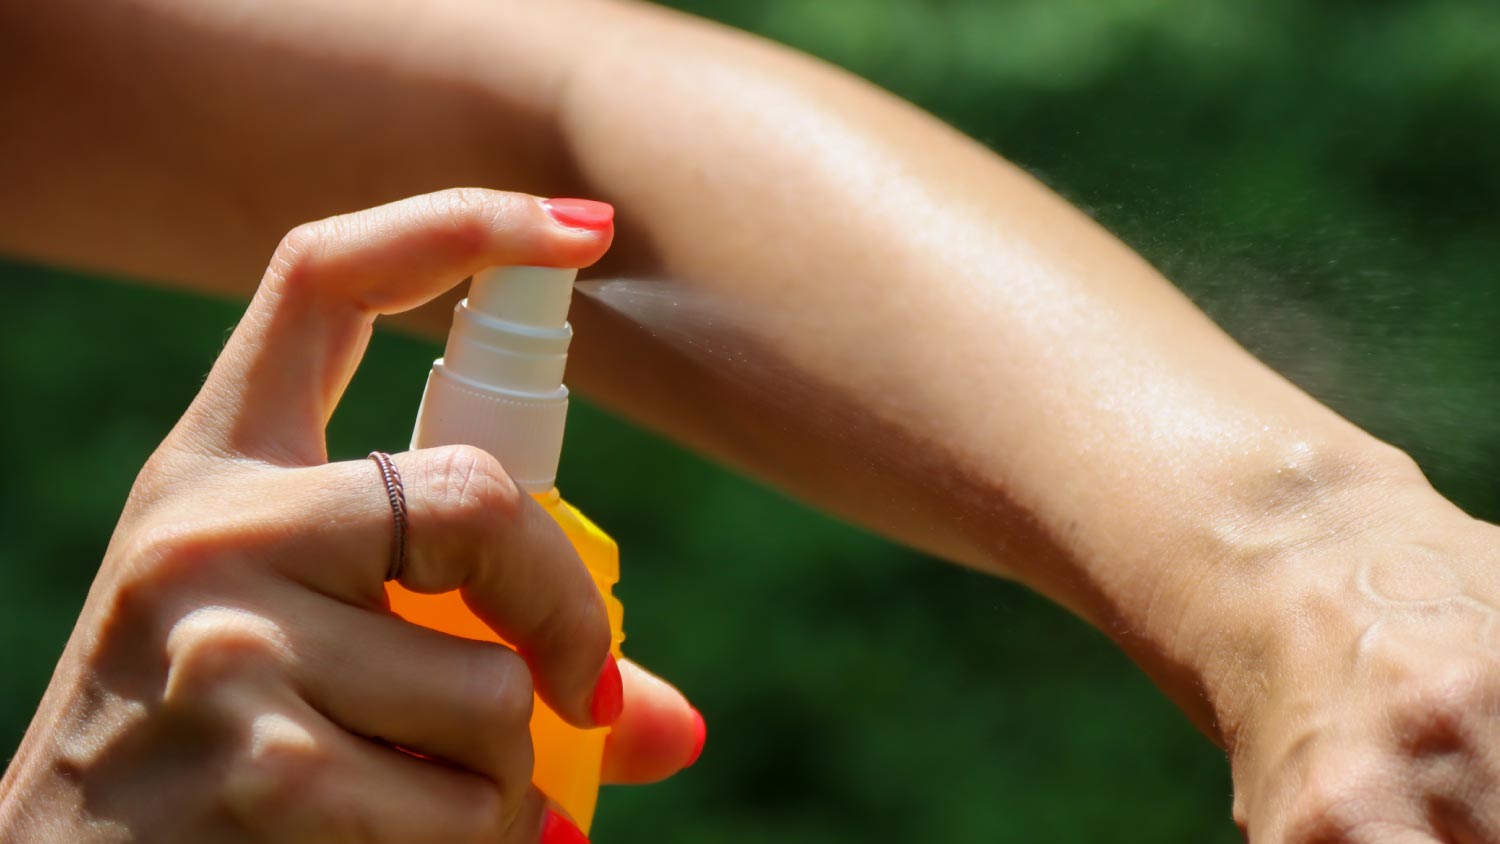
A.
x: 499, y: 386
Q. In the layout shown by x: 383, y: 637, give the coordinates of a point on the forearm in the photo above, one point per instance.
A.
x: 997, y: 379
x: 1059, y: 412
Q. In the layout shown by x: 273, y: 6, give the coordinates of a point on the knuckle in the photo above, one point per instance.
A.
x: 1239, y: 813
x: 1320, y: 824
x: 277, y: 775
x: 480, y: 806
x: 497, y: 703
x: 473, y: 489
x: 501, y: 694
x: 466, y: 199
x: 523, y: 817
x: 462, y: 505
x: 1432, y: 710
x: 466, y: 505
x: 468, y: 216
x: 170, y: 548
x: 299, y: 252
x: 160, y: 574
x: 210, y: 649
x: 1334, y: 803
x: 156, y: 564
x: 164, y: 469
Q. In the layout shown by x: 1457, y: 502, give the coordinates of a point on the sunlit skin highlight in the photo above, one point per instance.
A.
x: 1061, y: 414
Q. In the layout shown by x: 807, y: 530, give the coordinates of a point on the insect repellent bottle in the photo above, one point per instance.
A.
x: 499, y: 387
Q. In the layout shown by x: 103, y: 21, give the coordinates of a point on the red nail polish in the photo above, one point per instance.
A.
x: 557, y: 829
x: 700, y: 735
x: 581, y: 213
x: 609, y: 694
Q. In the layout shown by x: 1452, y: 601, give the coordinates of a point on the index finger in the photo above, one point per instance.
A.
x: 273, y: 388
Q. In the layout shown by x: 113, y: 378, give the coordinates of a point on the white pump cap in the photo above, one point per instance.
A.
x: 499, y: 384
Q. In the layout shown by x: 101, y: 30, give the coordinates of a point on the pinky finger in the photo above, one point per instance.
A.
x: 410, y: 800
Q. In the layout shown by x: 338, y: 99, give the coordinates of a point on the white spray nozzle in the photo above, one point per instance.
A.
x: 499, y: 384
x: 534, y: 296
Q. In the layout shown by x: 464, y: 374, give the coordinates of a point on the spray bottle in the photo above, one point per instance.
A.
x: 499, y: 387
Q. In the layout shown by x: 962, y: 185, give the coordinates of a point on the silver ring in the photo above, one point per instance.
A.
x: 397, y: 495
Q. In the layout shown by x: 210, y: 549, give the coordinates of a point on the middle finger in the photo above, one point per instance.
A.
x: 469, y: 528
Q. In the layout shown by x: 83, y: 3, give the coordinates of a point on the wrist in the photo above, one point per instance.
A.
x: 1290, y: 540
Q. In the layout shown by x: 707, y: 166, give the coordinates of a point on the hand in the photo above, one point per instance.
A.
x: 1375, y: 712
x: 236, y: 675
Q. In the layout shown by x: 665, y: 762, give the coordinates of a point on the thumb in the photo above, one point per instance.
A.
x: 659, y: 733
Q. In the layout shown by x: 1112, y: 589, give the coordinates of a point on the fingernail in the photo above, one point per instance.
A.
x: 700, y: 735
x: 609, y: 694
x: 581, y: 213
x: 557, y: 829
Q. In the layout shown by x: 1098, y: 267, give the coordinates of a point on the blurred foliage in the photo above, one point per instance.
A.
x: 1321, y: 177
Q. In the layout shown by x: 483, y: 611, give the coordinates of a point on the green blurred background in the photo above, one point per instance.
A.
x: 1321, y: 177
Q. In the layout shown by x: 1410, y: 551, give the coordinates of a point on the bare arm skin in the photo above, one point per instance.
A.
x: 1064, y: 415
